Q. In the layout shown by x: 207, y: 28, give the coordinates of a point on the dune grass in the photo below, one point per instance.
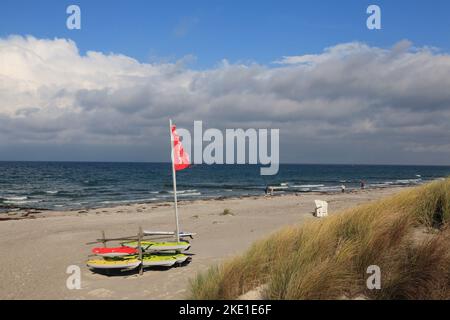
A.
x: 405, y: 235
x: 226, y: 212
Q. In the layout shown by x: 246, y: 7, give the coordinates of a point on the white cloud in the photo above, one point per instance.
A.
x: 390, y: 99
x: 340, y: 51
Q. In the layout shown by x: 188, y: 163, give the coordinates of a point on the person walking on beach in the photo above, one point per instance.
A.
x: 343, y: 188
x: 363, y: 184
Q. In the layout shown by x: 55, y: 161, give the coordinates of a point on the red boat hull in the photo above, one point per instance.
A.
x: 114, y: 252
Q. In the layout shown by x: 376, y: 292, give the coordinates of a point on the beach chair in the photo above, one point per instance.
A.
x: 321, y: 208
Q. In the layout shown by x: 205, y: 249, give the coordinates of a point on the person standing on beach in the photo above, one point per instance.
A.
x: 363, y: 185
x: 343, y: 188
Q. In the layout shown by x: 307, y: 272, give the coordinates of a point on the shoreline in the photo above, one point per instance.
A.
x: 37, y: 252
x: 33, y: 213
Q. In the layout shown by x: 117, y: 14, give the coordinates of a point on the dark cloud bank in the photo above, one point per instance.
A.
x: 352, y: 103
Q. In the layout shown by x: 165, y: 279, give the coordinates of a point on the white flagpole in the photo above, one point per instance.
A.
x: 177, y: 231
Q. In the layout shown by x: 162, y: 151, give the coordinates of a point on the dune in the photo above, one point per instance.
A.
x: 403, y: 237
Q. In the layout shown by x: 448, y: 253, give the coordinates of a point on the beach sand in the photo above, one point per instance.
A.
x: 36, y: 252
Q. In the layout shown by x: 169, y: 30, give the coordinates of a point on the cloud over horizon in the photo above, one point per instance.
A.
x: 350, y: 103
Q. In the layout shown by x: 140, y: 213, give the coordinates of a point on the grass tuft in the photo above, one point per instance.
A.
x: 227, y: 212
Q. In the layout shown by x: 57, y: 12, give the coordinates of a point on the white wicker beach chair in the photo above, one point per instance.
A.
x: 321, y: 208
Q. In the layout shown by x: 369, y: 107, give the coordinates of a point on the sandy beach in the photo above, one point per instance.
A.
x: 36, y: 251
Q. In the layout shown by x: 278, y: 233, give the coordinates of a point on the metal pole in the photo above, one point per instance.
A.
x: 141, y: 258
x: 174, y: 176
x: 103, y: 239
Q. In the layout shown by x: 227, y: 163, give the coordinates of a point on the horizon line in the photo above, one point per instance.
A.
x: 194, y: 164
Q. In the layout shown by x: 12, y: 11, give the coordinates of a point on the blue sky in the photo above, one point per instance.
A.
x: 239, y: 31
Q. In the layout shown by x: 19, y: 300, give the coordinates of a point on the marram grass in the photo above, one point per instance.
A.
x: 405, y: 235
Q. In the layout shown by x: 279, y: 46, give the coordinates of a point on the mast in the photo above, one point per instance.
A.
x: 174, y: 177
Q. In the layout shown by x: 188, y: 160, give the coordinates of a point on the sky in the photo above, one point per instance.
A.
x: 338, y: 92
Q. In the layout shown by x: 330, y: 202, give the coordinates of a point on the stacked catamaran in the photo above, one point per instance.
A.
x: 146, y: 249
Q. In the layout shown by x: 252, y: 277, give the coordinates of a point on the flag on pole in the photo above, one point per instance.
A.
x: 180, y: 157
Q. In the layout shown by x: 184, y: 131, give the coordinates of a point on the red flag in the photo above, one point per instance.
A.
x: 180, y: 157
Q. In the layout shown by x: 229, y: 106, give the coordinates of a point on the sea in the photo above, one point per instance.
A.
x: 83, y: 185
